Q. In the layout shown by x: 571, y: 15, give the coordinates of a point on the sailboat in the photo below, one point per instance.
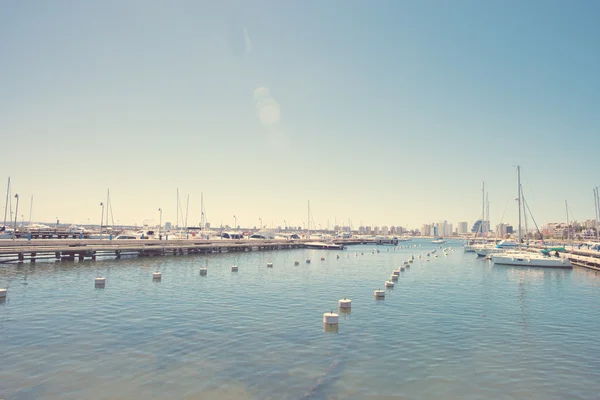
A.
x: 320, y: 244
x: 527, y: 259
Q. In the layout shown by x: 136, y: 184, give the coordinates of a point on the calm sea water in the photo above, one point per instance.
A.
x: 453, y: 328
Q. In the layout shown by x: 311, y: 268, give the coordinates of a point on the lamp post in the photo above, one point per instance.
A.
x: 16, y: 213
x: 234, y: 222
x: 260, y: 226
x: 160, y: 220
x: 101, y: 216
x: 285, y: 223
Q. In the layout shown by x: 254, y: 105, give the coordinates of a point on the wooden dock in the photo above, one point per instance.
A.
x: 21, y: 250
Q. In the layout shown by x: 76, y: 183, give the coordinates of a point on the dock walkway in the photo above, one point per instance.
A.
x: 21, y: 250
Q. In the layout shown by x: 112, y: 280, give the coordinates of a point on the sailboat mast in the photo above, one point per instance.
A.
x: 596, y: 209
x: 308, y: 219
x: 187, y: 208
x: 519, y: 200
x: 107, y: 205
x: 568, y: 227
x: 6, y: 203
x: 598, y: 202
x: 201, y: 211
x: 30, y: 209
x: 177, y: 223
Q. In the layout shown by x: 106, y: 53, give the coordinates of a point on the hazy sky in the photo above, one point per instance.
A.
x: 382, y: 112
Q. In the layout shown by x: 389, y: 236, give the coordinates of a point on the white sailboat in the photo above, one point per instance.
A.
x: 527, y: 259
x: 320, y: 244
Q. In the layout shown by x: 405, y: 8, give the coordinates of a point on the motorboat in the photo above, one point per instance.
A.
x: 438, y: 241
x: 323, y: 246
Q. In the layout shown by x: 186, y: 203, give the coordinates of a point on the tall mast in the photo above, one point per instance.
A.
x: 30, y: 208
x: 107, y: 205
x: 187, y: 208
x: 568, y: 228
x: 6, y: 204
x: 598, y: 202
x: 596, y: 209
x: 201, y: 211
x: 177, y: 224
x: 308, y: 220
x: 519, y: 200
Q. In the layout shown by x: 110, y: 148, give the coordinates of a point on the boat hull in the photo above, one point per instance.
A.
x: 525, y: 260
x: 323, y: 246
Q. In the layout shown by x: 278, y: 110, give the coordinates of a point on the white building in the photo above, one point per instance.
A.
x: 463, y: 228
x: 426, y: 230
x: 385, y: 230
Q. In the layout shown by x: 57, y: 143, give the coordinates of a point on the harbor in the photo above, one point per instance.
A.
x: 212, y: 336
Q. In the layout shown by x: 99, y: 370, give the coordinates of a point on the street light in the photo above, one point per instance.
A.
x: 260, y: 226
x: 160, y: 220
x: 101, y: 216
x: 16, y: 213
x: 234, y: 222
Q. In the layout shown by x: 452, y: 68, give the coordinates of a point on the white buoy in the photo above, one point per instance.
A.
x: 379, y: 294
x: 234, y: 268
x: 389, y: 284
x: 100, y: 282
x: 396, y: 272
x: 156, y: 275
x: 4, y: 291
x: 345, y: 303
x: 331, y: 318
x: 393, y: 278
x: 203, y: 271
x: 269, y: 265
x: 296, y: 262
x: 308, y: 260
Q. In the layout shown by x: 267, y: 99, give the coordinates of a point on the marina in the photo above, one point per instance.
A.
x: 144, y: 333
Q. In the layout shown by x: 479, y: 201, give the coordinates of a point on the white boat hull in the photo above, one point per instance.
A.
x: 531, y: 260
x: 323, y: 246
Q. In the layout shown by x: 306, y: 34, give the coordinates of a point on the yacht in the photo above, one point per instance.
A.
x: 438, y: 241
x: 323, y: 246
x: 232, y: 235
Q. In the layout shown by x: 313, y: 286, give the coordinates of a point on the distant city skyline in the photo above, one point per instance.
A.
x: 386, y: 114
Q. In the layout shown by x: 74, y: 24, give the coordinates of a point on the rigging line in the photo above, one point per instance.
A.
x: 533, y: 219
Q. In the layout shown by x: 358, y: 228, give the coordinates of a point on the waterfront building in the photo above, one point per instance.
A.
x: 385, y: 230
x: 463, y: 228
x: 426, y: 230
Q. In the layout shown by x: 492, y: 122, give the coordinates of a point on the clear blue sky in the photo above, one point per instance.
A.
x: 382, y: 112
